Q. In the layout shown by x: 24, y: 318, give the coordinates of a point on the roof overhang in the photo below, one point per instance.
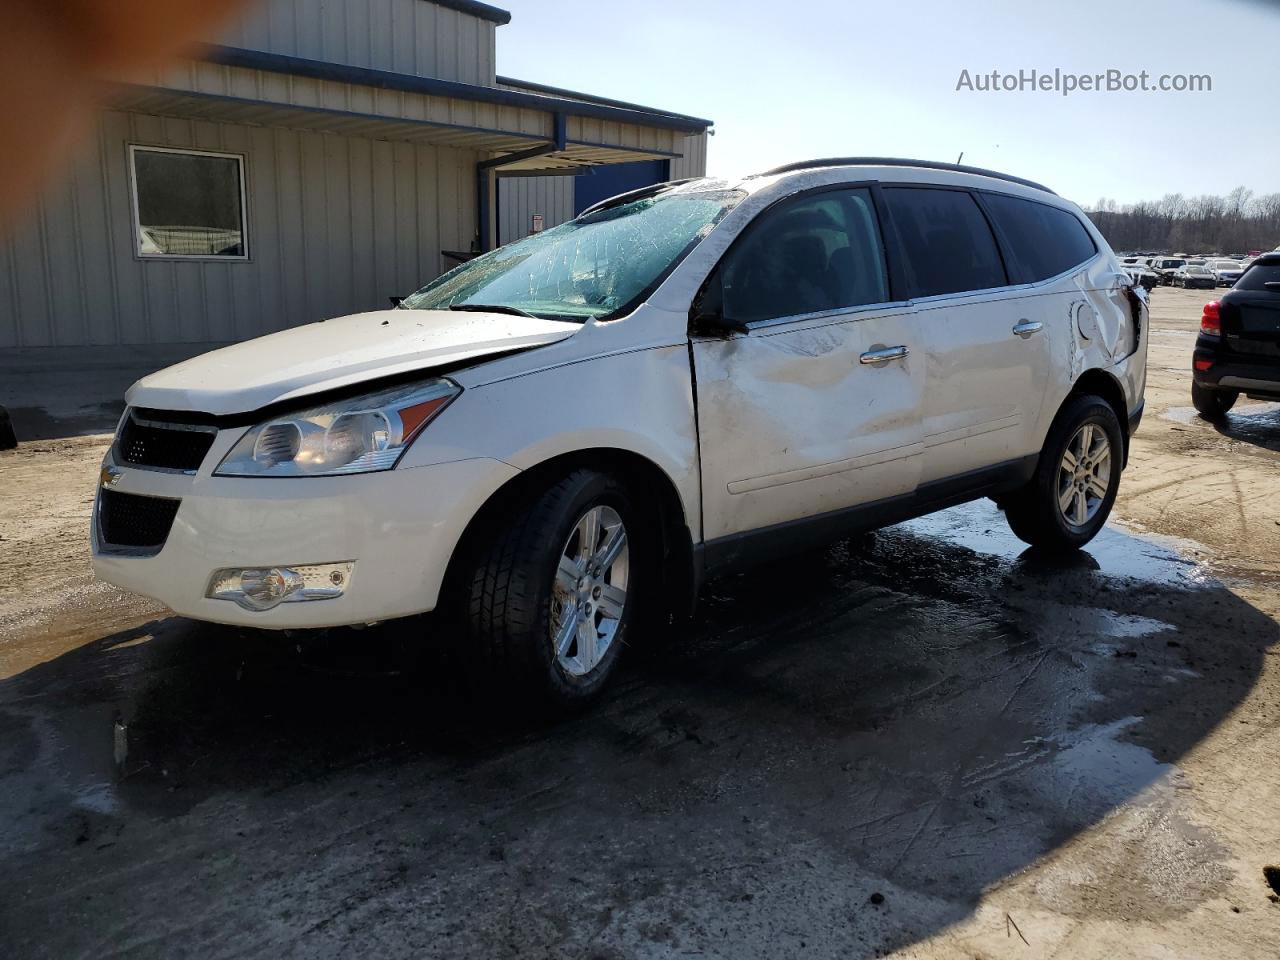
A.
x: 475, y: 8
x: 191, y: 105
x: 249, y: 87
x: 583, y: 106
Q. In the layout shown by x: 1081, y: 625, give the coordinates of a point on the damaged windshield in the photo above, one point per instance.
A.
x: 600, y: 265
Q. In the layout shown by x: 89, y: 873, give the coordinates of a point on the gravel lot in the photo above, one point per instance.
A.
x: 924, y: 743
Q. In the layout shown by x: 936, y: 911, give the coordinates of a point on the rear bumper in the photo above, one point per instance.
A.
x: 1256, y: 376
x: 400, y: 527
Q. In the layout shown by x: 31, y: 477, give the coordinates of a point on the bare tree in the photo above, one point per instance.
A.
x: 1236, y: 223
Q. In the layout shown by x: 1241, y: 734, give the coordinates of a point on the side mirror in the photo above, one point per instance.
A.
x: 715, y: 324
x: 706, y: 317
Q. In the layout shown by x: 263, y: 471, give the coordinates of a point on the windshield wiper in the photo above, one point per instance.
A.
x: 493, y: 308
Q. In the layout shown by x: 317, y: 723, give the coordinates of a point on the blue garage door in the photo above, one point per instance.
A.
x: 604, y: 182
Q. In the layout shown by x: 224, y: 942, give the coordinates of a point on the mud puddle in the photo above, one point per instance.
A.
x: 1117, y: 552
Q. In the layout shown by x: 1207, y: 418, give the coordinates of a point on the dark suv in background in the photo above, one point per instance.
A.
x: 1238, y: 350
x: 1166, y: 267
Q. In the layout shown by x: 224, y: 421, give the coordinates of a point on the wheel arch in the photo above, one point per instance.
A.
x: 1101, y: 383
x: 645, y: 478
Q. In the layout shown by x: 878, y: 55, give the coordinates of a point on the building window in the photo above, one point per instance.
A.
x: 188, y: 203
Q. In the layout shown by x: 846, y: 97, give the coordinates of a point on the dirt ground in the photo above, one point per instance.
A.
x: 925, y: 743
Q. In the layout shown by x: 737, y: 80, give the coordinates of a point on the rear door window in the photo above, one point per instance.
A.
x: 808, y: 254
x: 947, y: 241
x: 1258, y: 276
x: 1044, y: 241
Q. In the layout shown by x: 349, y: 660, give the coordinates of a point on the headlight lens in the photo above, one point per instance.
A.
x: 360, y: 435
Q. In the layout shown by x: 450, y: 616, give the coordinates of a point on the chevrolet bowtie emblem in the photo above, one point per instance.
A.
x: 109, y: 476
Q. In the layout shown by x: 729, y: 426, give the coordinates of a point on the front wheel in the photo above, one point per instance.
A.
x: 556, y: 587
x: 1212, y: 404
x: 1074, y: 487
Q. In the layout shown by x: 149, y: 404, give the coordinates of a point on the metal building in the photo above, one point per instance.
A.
x: 530, y: 202
x: 320, y: 157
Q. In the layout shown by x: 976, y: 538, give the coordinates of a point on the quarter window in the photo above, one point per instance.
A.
x: 1045, y: 241
x: 188, y: 203
x: 809, y: 254
x: 947, y: 241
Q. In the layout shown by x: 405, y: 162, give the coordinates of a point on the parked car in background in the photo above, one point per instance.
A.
x: 1143, y: 276
x: 555, y: 442
x: 1238, y: 349
x: 1165, y: 267
x: 1227, y: 271
x: 1194, y: 276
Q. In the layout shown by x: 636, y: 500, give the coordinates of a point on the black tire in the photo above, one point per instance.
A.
x: 1034, y: 513
x: 509, y: 613
x: 1212, y: 404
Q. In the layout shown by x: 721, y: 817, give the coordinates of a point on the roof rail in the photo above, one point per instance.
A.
x: 639, y: 193
x: 900, y: 162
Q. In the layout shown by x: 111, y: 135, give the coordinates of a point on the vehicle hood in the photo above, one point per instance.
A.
x: 337, y: 353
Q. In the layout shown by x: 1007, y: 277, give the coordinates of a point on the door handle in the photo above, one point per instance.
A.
x: 1025, y: 328
x: 884, y: 355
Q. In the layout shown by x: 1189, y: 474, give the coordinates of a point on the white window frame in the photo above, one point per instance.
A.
x: 137, y: 216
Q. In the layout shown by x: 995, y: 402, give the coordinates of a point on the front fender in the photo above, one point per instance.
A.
x: 641, y: 402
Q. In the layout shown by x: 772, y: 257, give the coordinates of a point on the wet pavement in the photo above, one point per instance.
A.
x: 1257, y: 423
x: 846, y: 754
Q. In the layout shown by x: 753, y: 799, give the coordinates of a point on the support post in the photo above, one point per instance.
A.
x: 484, y: 195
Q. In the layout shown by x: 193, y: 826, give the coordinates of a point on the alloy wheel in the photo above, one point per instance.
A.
x: 1084, y: 475
x: 589, y: 592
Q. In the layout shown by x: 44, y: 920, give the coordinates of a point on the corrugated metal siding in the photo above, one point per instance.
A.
x: 335, y: 225
x: 522, y: 197
x: 407, y: 36
x: 593, y: 131
x: 200, y: 76
x: 694, y: 161
x: 519, y: 198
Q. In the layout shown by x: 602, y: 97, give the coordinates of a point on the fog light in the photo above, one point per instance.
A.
x: 262, y: 588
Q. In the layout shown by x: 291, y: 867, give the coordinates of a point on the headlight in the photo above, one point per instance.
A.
x: 360, y: 435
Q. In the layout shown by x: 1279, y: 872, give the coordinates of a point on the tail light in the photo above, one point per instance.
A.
x: 1211, y: 320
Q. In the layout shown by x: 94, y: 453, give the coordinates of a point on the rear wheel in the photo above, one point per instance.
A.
x: 1075, y: 483
x: 1212, y: 404
x: 556, y: 588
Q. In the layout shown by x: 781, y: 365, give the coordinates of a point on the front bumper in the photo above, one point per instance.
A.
x: 399, y: 526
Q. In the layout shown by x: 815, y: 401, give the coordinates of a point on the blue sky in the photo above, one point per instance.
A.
x: 787, y: 81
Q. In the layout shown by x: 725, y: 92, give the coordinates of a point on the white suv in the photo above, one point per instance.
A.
x: 559, y: 440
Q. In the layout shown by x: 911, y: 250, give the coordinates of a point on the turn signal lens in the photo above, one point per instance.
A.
x: 1211, y: 319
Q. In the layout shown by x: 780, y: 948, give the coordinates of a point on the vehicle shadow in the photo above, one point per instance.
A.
x: 1258, y: 424
x: 843, y: 754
